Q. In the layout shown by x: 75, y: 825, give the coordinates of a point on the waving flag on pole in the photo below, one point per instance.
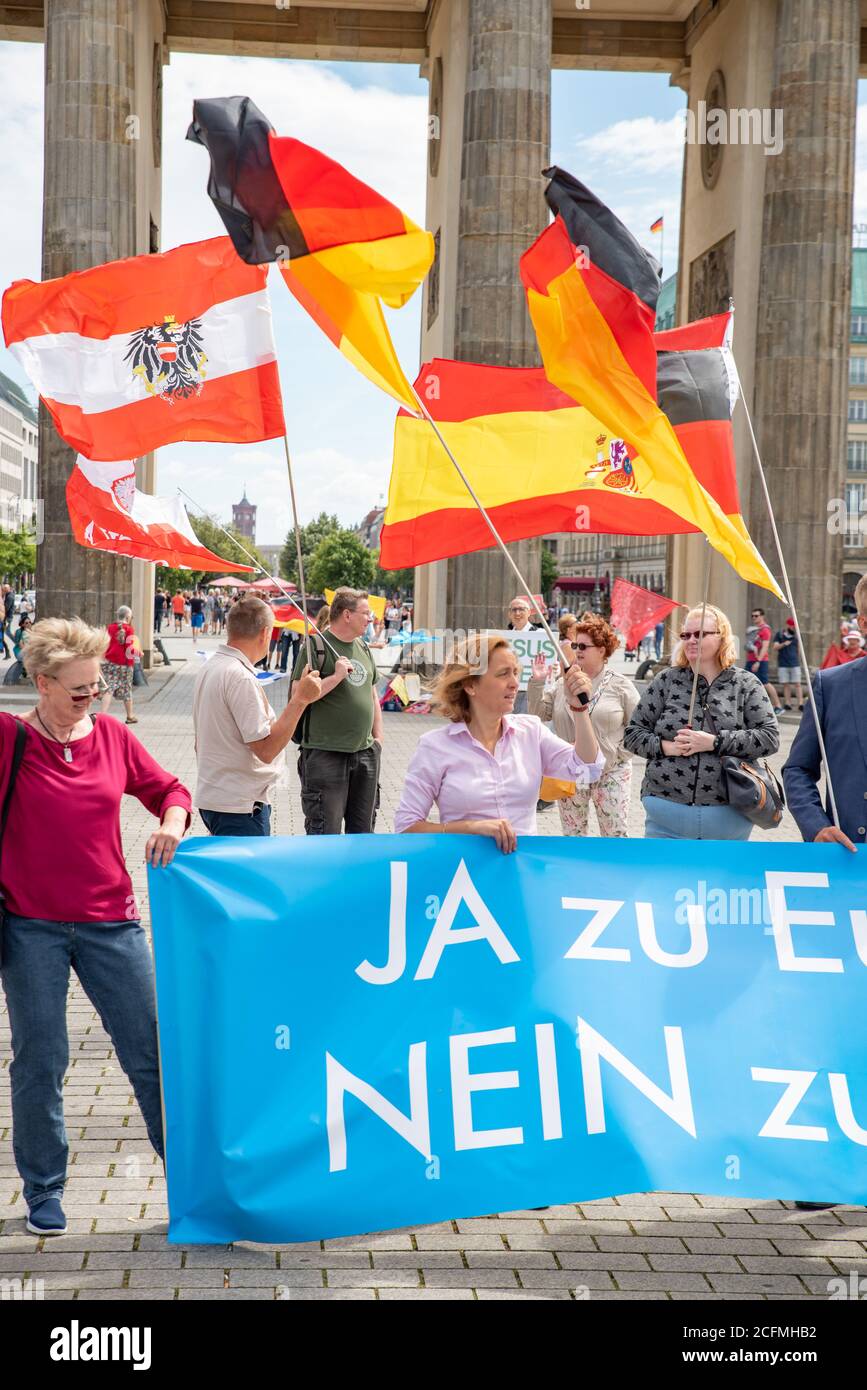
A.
x: 541, y: 462
x: 107, y: 512
x: 636, y: 611
x: 342, y: 248
x: 151, y: 350
x: 591, y: 295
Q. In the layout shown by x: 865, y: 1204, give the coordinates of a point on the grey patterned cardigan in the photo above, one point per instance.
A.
x: 734, y: 705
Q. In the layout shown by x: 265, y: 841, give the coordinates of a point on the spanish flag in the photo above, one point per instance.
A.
x: 342, y: 248
x: 588, y: 292
x: 540, y: 462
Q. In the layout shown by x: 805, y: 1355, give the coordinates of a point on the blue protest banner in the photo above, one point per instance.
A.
x: 363, y: 1032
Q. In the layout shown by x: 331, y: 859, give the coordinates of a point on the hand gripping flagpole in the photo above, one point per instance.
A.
x: 491, y: 527
x: 791, y: 602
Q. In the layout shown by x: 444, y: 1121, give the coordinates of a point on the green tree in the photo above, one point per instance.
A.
x: 391, y: 581
x: 17, y: 553
x: 311, y: 534
x: 548, y: 571
x: 340, y: 558
x: 209, y: 533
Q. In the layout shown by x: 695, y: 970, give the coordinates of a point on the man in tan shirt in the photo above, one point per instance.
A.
x: 240, y: 741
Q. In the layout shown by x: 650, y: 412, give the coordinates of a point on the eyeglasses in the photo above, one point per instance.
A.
x: 711, y: 632
x: 582, y: 646
x: 97, y: 687
x: 518, y: 608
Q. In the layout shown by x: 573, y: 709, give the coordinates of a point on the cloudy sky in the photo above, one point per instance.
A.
x: 620, y: 132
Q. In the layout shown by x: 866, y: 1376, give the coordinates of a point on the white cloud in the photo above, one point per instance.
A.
x: 642, y: 145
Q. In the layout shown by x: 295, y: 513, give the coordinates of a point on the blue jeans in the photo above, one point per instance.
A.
x: 113, y: 962
x: 255, y: 822
x: 672, y: 820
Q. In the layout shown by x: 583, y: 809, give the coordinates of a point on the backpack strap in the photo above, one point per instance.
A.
x: 318, y: 644
x: 17, y: 755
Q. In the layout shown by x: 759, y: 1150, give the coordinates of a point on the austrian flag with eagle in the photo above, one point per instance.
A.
x: 169, y: 358
x: 152, y: 350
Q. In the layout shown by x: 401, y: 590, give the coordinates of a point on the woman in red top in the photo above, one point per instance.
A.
x: 117, y: 665
x: 68, y: 900
x: 850, y: 649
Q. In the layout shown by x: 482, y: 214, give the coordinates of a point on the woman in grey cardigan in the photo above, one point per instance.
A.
x: 684, y: 791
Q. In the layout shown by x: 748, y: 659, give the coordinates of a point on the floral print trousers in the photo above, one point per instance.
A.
x: 610, y: 795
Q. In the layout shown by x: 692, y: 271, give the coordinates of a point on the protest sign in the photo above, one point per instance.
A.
x: 360, y: 1033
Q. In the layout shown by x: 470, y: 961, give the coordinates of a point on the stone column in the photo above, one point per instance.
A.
x: 506, y: 48
x: 95, y: 115
x: 803, y: 309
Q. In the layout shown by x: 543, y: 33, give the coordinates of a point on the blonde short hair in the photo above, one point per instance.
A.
x: 54, y: 642
x: 860, y: 596
x: 469, y: 661
x: 727, y: 654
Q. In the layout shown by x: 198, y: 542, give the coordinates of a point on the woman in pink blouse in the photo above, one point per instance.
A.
x: 484, y: 768
x: 68, y: 899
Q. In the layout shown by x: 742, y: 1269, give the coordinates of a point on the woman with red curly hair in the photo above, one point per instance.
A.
x: 591, y: 643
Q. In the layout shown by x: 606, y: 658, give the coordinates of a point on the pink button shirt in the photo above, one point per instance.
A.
x: 452, y: 770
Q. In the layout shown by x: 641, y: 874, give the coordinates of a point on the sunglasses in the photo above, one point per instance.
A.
x: 98, y: 687
x: 710, y: 632
x: 581, y: 646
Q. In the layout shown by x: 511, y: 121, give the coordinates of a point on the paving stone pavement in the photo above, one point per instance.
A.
x: 637, y: 1246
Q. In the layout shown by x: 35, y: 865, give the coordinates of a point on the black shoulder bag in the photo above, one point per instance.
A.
x: 753, y: 788
x: 17, y: 755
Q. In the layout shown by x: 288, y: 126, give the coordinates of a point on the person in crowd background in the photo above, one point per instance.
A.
x: 757, y: 656
x: 849, y: 648
x: 519, y: 612
x: 117, y: 666
x: 789, y: 665
x: 159, y: 609
x: 178, y: 611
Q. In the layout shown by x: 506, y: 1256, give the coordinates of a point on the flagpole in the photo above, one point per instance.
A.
x: 700, y: 633
x: 791, y: 602
x: 491, y: 527
x: 257, y: 564
x: 298, y: 554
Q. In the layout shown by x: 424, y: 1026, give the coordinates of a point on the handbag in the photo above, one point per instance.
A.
x: 753, y: 788
x: 17, y: 755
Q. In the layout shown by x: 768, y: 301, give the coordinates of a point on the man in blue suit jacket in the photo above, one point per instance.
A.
x: 841, y: 700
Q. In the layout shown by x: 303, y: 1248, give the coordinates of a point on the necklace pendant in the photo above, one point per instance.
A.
x: 67, y: 755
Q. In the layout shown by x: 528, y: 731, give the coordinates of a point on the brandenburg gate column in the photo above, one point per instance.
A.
x: 802, y: 345
x: 489, y: 71
x: 766, y: 219
x: 103, y: 69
